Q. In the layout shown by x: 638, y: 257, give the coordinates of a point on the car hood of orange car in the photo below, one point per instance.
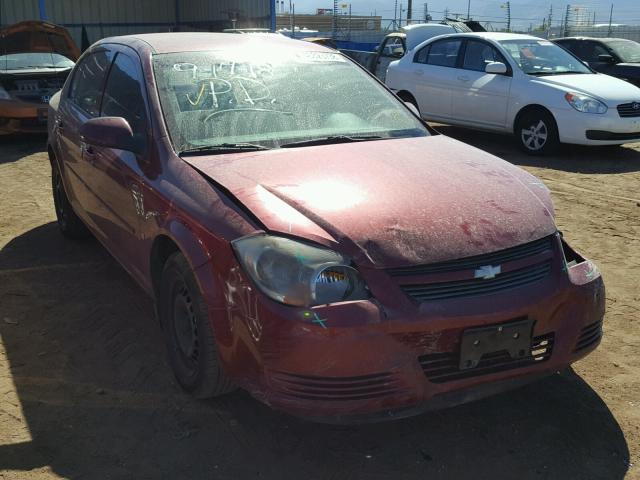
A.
x: 389, y: 203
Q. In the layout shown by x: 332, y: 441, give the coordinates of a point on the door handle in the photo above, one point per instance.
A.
x: 463, y: 78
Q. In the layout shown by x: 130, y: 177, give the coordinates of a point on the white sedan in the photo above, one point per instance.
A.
x: 516, y: 84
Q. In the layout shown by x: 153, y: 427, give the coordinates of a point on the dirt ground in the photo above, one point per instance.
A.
x: 85, y: 391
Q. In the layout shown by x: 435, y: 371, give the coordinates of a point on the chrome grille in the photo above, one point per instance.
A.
x: 478, y: 286
x: 631, y: 109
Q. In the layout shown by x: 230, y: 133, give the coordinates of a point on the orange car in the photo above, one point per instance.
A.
x: 35, y: 59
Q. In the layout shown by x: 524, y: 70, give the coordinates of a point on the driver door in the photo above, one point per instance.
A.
x: 117, y: 175
x: 481, y: 98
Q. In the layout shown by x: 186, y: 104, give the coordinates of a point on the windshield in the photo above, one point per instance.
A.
x: 627, y: 50
x: 273, y: 97
x: 541, y: 57
x: 22, y: 61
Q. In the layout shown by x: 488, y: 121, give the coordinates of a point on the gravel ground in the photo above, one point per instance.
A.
x: 85, y: 391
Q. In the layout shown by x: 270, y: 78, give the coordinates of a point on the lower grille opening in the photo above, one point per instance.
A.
x: 365, y: 387
x: 589, y: 336
x: 444, y: 367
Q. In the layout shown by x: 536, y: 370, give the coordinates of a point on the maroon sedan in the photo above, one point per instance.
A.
x: 305, y: 236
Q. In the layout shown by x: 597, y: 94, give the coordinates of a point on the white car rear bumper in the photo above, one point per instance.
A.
x: 594, y: 129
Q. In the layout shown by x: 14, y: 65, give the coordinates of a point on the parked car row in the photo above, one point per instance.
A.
x: 518, y: 84
x: 306, y: 236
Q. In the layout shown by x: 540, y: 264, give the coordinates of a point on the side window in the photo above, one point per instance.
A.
x: 87, y: 82
x: 421, y: 56
x: 393, y: 47
x: 478, y: 54
x: 123, y: 94
x: 444, y: 53
x: 592, y: 50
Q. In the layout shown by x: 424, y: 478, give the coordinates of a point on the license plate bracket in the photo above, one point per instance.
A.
x: 514, y: 337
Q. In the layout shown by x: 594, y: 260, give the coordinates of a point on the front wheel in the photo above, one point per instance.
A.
x: 537, y: 132
x: 190, y: 341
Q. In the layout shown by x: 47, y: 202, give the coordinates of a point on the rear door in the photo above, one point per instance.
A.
x: 79, y: 103
x: 433, y: 76
x: 481, y: 98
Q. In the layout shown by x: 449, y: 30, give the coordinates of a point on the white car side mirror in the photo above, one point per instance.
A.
x: 498, y: 68
x: 413, y: 108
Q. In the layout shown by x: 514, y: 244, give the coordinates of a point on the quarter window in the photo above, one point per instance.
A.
x: 123, y: 94
x: 444, y: 53
x: 88, y: 79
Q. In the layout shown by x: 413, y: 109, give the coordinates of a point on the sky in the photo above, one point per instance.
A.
x: 523, y: 12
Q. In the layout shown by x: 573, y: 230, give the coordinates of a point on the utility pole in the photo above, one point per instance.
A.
x: 409, y: 11
x: 508, y: 7
x: 610, y: 19
x: 468, y: 8
x: 593, y: 22
x: 426, y: 12
x: 349, y: 24
x: 566, y: 21
x: 446, y: 13
x: 395, y: 15
x: 334, y: 20
x: 550, y: 20
x: 400, y: 11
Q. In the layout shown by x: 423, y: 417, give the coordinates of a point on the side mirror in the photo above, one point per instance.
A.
x: 110, y: 132
x: 413, y: 108
x: 606, y: 58
x: 497, y: 68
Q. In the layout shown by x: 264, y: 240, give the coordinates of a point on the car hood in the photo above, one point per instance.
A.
x: 389, y: 203
x: 601, y: 86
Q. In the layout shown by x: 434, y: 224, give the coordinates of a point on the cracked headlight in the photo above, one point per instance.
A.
x: 299, y: 274
x: 585, y: 103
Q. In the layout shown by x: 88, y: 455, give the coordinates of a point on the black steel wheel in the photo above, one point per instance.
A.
x: 190, y: 340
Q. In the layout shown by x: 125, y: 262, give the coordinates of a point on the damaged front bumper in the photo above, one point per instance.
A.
x: 361, y: 361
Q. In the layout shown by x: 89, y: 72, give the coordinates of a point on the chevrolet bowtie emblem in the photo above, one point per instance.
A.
x: 487, y: 271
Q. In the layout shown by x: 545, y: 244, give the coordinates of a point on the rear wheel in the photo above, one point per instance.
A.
x: 537, y: 132
x: 68, y: 222
x: 190, y: 341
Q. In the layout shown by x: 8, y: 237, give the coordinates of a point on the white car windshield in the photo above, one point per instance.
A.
x: 541, y: 57
x: 268, y: 99
x: 627, y: 50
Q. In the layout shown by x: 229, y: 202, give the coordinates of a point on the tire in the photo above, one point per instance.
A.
x: 69, y: 223
x: 407, y: 97
x: 191, y: 345
x: 537, y: 132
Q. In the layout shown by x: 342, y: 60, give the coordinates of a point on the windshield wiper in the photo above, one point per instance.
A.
x: 223, y: 148
x: 332, y: 140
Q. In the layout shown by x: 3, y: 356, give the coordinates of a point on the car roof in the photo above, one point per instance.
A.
x: 495, y: 36
x: 597, y: 39
x: 204, y: 41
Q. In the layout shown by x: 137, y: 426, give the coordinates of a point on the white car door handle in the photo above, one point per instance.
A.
x: 418, y: 72
x: 463, y: 78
